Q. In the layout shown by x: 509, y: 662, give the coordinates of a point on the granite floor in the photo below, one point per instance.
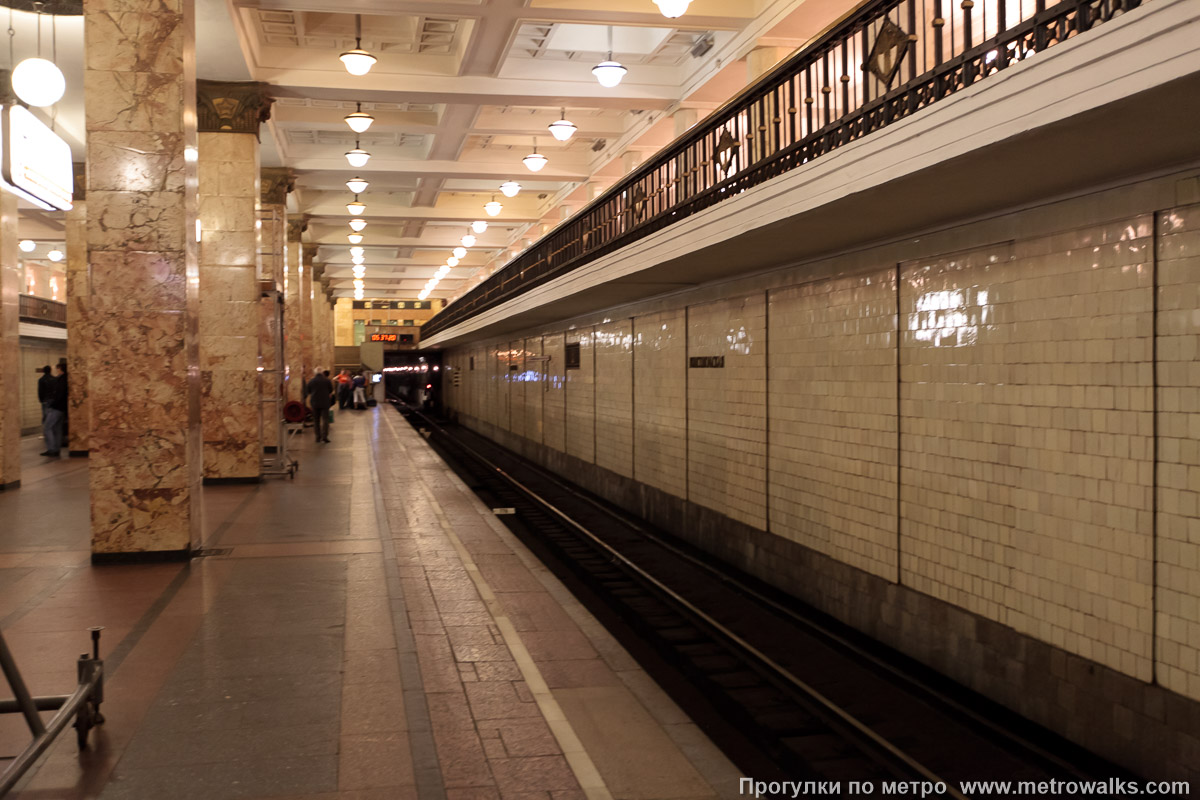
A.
x: 372, y: 632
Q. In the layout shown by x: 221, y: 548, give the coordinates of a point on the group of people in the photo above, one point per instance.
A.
x: 322, y: 392
x: 53, y: 394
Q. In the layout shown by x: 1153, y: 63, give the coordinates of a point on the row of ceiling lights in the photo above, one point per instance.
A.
x: 359, y: 62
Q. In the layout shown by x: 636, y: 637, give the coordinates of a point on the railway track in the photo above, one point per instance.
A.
x: 785, y: 694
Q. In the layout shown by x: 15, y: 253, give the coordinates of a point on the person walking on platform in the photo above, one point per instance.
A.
x: 56, y: 412
x: 343, y: 389
x: 360, y: 392
x: 320, y: 399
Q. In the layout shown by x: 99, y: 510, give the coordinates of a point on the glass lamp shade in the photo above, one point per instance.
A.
x: 443, y: 271
x: 354, y: 238
x: 360, y: 271
x: 27, y: 245
x: 469, y: 240
x: 492, y: 208
x: 356, y: 260
x: 356, y: 251
x: 535, y: 161
x: 562, y: 130
x: 609, y: 73
x: 358, y: 157
x: 55, y: 255
x: 424, y: 293
x: 358, y: 283
x: 358, y: 295
x: 358, y: 62
x: 356, y: 208
x: 38, y: 82
x: 451, y: 262
x: 359, y: 121
x: 479, y: 225
x: 510, y: 188
x: 357, y: 225
x: 460, y: 252
x: 672, y: 8
x: 357, y: 185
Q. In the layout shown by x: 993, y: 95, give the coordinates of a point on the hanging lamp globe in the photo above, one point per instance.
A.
x: 359, y: 121
x: 563, y: 129
x: 27, y: 245
x: 357, y: 251
x: 469, y: 240
x: 460, y: 252
x: 357, y: 224
x: 357, y: 185
x: 358, y: 61
x: 535, y: 161
x: 492, y: 208
x: 510, y: 188
x: 609, y: 73
x: 451, y: 262
x: 356, y: 208
x: 672, y: 9
x: 56, y: 255
x: 38, y: 82
x: 479, y: 225
x: 354, y: 238
x: 358, y: 157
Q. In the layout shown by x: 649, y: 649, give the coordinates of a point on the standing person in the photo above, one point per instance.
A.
x: 320, y: 399
x: 343, y: 389
x: 56, y: 413
x: 360, y: 392
x: 45, y: 390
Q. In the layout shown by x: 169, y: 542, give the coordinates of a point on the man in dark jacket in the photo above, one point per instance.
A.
x: 56, y: 411
x: 45, y: 389
x: 320, y: 398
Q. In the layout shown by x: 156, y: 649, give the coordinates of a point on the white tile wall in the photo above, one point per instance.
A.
x: 1178, y: 567
x: 534, y: 387
x: 514, y: 380
x: 833, y: 418
x: 727, y: 448
x: 581, y: 397
x: 1025, y: 437
x: 614, y: 396
x: 660, y: 401
x: 554, y: 399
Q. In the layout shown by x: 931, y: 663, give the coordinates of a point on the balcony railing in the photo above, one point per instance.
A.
x: 884, y: 62
x: 42, y: 311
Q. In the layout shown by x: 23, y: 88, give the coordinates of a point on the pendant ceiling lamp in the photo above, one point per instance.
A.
x: 563, y: 129
x: 359, y: 270
x: 27, y: 245
x: 460, y: 252
x: 609, y: 72
x: 356, y: 260
x: 469, y: 240
x: 357, y: 251
x: 357, y: 185
x: 451, y: 262
x: 354, y: 238
x: 355, y: 207
x: 510, y: 188
x: 535, y: 160
x: 358, y: 283
x: 358, y: 61
x: 56, y: 255
x: 358, y: 157
x: 359, y: 120
x: 479, y: 225
x: 492, y: 207
x: 672, y: 8
x: 357, y: 224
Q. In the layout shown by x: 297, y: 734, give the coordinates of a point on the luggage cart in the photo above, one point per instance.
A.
x: 83, y: 705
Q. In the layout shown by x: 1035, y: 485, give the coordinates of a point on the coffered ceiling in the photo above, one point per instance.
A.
x: 459, y: 93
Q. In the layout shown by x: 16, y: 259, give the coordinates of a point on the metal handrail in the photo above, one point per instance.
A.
x: 884, y: 62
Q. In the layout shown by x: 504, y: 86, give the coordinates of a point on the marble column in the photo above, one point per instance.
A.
x: 307, y: 332
x: 230, y: 114
x: 10, y: 346
x: 319, y: 307
x: 143, y: 368
x: 276, y: 183
x: 79, y: 336
x: 293, y: 356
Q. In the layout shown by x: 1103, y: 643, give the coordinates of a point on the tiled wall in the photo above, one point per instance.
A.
x: 514, y: 373
x: 976, y: 424
x: 727, y: 431
x: 1178, y: 568
x: 614, y: 396
x: 533, y: 378
x: 660, y: 400
x: 554, y: 399
x: 581, y: 389
x: 833, y: 418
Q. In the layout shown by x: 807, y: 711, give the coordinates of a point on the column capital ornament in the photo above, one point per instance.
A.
x: 296, y: 226
x: 79, y: 174
x: 318, y: 272
x: 275, y: 183
x: 307, y: 256
x: 232, y: 106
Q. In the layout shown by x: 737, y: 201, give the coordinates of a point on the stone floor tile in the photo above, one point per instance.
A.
x: 375, y: 760
x: 539, y: 773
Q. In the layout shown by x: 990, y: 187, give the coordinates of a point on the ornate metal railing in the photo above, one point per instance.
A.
x: 43, y: 311
x: 883, y: 62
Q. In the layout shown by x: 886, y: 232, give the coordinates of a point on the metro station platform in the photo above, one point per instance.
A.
x: 368, y: 630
